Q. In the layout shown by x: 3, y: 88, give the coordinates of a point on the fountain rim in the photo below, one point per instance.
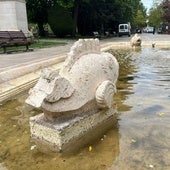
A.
x: 14, y: 80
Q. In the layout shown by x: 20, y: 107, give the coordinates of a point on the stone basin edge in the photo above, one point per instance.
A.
x: 18, y: 79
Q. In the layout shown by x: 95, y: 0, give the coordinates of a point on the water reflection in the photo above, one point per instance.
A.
x: 139, y: 140
x: 16, y: 152
x: 144, y: 129
x: 126, y: 76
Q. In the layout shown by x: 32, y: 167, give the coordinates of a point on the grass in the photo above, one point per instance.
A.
x: 37, y: 45
x: 45, y: 44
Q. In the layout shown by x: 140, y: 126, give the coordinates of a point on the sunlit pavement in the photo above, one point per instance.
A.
x: 144, y: 36
x: 19, y: 71
x: 8, y: 61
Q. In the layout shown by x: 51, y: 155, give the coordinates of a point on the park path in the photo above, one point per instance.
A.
x: 8, y: 61
x: 20, y: 71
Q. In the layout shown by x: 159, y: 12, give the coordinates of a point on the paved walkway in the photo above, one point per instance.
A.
x: 8, y: 61
x: 20, y: 71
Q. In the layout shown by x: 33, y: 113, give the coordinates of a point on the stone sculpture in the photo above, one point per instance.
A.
x: 88, y: 77
x: 75, y: 99
x: 136, y: 41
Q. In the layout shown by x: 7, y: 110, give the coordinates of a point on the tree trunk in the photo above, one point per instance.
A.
x: 41, y: 29
x: 75, y: 16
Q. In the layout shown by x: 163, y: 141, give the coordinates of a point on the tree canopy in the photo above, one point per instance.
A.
x: 140, y: 20
x: 37, y: 11
x: 160, y: 14
x: 155, y: 16
x: 166, y: 10
x: 89, y: 15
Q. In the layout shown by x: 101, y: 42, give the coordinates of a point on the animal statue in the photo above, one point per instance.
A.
x: 136, y: 41
x: 153, y: 45
x: 85, y: 83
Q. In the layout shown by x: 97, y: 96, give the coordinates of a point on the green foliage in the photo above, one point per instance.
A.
x: 166, y: 10
x: 37, y: 45
x: 87, y: 15
x: 46, y: 43
x: 155, y: 16
x: 105, y: 15
x: 65, y: 3
x: 37, y: 11
x: 140, y: 20
x: 60, y: 21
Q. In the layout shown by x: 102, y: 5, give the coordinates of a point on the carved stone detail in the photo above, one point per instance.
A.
x: 136, y: 41
x: 104, y: 94
x: 87, y: 76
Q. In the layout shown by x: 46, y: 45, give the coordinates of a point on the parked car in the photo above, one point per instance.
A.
x: 124, y: 29
x: 148, y: 29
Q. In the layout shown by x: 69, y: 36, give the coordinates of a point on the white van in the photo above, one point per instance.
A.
x: 124, y: 29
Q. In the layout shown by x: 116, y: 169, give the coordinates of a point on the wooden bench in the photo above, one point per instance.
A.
x: 13, y: 38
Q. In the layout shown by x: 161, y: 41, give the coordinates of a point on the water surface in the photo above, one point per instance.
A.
x: 139, y: 140
x: 144, y: 127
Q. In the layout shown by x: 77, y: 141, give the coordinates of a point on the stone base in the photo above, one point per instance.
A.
x: 69, y: 134
x: 13, y: 16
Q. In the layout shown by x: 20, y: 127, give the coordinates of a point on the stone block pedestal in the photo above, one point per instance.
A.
x: 66, y: 134
x: 77, y: 100
x: 13, y: 16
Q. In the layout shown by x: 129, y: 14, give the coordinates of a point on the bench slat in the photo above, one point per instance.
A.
x: 13, y: 38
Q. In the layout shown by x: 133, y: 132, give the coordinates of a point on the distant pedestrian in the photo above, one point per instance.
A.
x: 153, y: 30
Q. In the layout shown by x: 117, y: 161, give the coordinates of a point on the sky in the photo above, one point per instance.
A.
x: 147, y: 3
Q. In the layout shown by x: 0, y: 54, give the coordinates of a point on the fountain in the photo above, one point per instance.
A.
x: 141, y: 124
x: 75, y: 99
x: 136, y: 41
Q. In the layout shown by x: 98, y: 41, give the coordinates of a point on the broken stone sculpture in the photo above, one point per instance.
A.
x: 136, y: 41
x: 85, y: 82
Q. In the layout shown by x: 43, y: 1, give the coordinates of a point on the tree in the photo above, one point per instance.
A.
x: 74, y: 4
x: 60, y: 21
x: 155, y: 16
x: 127, y: 11
x: 166, y: 10
x: 101, y: 15
x: 140, y: 19
x: 38, y: 12
x: 105, y: 15
x: 88, y: 15
x: 139, y: 11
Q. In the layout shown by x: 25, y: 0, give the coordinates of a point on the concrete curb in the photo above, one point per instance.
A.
x: 28, y: 68
x: 23, y: 69
x: 15, y: 86
x: 23, y: 77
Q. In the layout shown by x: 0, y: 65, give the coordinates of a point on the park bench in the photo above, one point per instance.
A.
x: 13, y: 38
